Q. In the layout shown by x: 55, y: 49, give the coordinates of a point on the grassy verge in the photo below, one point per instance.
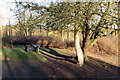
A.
x: 18, y: 53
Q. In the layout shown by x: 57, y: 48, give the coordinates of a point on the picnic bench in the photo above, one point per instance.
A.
x: 33, y: 47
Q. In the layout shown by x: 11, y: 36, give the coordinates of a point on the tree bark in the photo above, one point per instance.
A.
x: 78, y: 49
x: 61, y: 33
x: 68, y: 36
x: 85, y: 49
x: 47, y: 33
x: 40, y: 30
x: 26, y: 32
x: 86, y: 52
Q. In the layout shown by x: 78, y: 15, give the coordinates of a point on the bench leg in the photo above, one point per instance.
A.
x: 27, y: 48
x: 37, y: 49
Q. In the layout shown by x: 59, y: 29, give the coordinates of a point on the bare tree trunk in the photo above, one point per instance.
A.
x: 68, y: 35
x: 61, y: 34
x: 87, y: 45
x: 78, y: 49
x: 26, y: 32
x: 47, y: 33
x: 40, y: 30
x: 11, y: 32
x: 86, y: 52
x: 6, y: 31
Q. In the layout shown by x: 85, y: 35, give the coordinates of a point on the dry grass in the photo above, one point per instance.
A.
x: 106, y: 45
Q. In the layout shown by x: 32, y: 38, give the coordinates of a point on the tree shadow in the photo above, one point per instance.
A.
x: 6, y: 63
x: 53, y: 52
x: 57, y: 55
x: 100, y: 68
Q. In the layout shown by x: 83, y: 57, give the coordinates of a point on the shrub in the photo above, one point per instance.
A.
x: 43, y: 41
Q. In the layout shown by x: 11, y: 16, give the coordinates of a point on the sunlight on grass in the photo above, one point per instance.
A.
x: 19, y: 54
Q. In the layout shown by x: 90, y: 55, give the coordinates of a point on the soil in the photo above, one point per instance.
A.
x: 59, y: 68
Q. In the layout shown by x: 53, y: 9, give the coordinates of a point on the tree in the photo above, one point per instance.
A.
x: 90, y: 21
x: 28, y: 20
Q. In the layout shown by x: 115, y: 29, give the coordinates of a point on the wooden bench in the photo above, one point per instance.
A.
x: 32, y: 47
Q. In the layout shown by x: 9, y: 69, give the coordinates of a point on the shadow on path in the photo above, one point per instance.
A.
x: 53, y: 52
x: 22, y: 68
x: 57, y: 55
x: 100, y: 68
x: 7, y: 64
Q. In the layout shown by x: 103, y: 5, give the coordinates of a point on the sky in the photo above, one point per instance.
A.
x: 7, y: 15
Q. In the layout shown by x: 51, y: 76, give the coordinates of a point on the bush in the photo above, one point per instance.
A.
x: 43, y: 41
x: 106, y: 45
x: 70, y: 43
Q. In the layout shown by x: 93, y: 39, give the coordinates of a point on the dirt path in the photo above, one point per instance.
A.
x: 56, y: 68
x: 111, y: 59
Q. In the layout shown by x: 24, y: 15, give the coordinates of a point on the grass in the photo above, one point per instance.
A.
x: 18, y: 53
